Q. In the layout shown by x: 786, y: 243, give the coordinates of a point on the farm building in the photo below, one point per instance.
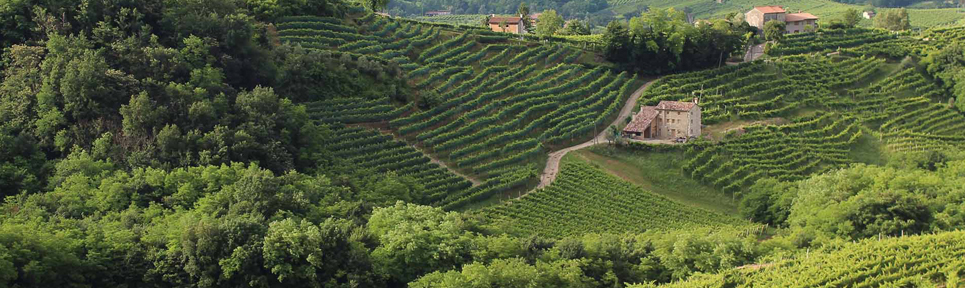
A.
x: 795, y: 22
x: 868, y: 14
x: 668, y: 120
x: 512, y: 24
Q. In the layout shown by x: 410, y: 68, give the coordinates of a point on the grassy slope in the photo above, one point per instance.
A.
x: 587, y: 199
x: 825, y: 9
x: 659, y: 173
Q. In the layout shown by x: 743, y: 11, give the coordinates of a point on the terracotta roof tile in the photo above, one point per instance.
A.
x: 770, y: 9
x: 509, y: 20
x: 641, y: 120
x: 799, y: 17
x: 675, y: 105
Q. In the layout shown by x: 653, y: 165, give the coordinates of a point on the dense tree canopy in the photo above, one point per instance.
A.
x: 894, y: 20
x: 661, y: 40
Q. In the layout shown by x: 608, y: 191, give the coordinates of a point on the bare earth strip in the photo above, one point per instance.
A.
x: 553, y: 164
x: 475, y: 182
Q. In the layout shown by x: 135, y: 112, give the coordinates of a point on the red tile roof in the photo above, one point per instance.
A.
x: 675, y: 106
x: 770, y: 9
x: 642, y: 120
x: 799, y: 17
x: 509, y: 20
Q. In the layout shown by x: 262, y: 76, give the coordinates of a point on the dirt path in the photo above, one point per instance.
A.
x: 475, y: 182
x: 553, y: 164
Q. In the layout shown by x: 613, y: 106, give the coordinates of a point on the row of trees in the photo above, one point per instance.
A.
x: 662, y: 41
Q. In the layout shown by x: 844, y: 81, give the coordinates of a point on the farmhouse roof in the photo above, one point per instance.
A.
x: 642, y: 120
x: 799, y: 17
x: 675, y: 106
x: 770, y: 9
x: 509, y: 20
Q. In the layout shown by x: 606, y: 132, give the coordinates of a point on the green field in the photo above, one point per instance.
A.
x: 659, y: 173
x: 586, y: 199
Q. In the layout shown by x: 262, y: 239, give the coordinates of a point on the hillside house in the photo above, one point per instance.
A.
x: 438, y: 13
x: 795, y: 22
x: 513, y: 24
x: 868, y: 14
x: 668, y: 120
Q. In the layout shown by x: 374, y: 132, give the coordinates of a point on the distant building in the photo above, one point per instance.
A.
x: 438, y: 13
x: 533, y: 20
x: 868, y: 14
x: 795, y: 22
x: 668, y: 120
x: 513, y: 24
x: 383, y: 14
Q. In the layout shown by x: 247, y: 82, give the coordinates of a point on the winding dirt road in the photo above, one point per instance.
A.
x: 553, y: 164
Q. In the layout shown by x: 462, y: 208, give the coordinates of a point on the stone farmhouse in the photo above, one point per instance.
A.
x: 795, y: 22
x: 668, y: 120
x: 513, y: 24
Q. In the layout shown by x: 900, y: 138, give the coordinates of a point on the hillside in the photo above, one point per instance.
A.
x: 915, y: 261
x: 826, y: 9
x: 229, y: 143
x: 488, y: 106
x: 591, y: 201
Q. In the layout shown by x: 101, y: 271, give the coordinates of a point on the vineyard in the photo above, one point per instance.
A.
x: 901, y: 108
x: 786, y: 152
x: 918, y: 44
x: 488, y: 106
x: 468, y: 19
x: 760, y: 90
x: 370, y: 149
x: 585, y: 199
x: 918, y: 261
x: 828, y: 40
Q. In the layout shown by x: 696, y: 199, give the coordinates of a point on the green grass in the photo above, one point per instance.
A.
x: 659, y: 173
x: 825, y: 9
x: 868, y: 150
x: 586, y: 199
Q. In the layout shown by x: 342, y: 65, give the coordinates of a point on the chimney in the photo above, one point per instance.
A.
x: 696, y: 100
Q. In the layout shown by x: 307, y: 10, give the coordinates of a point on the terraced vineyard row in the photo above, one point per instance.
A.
x: 585, y: 199
x: 936, y: 260
x: 828, y: 40
x: 922, y: 45
x: 371, y: 149
x: 787, y: 152
x: 902, y: 108
x: 760, y: 90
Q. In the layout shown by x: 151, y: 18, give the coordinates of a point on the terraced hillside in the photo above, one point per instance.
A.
x: 919, y: 261
x: 829, y: 40
x: 835, y: 102
x: 486, y: 105
x: 585, y: 199
x: 759, y: 90
x: 786, y: 152
x: 903, y: 110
